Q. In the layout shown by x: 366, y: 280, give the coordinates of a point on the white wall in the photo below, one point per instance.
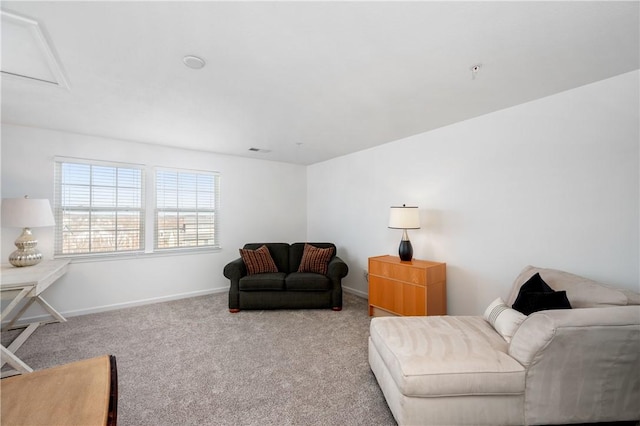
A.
x: 553, y: 183
x: 260, y: 201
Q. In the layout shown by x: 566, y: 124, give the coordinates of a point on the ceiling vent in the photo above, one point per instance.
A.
x: 27, y: 54
x: 264, y: 151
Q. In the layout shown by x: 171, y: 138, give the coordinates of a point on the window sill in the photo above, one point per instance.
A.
x: 85, y: 258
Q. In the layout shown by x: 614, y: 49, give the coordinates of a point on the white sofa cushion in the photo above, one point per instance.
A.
x: 581, y: 292
x: 444, y: 356
x: 454, y: 410
x: 503, y: 319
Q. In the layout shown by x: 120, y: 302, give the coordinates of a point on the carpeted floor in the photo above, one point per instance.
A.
x: 191, y: 362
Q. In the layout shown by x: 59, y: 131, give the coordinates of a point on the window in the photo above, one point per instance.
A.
x: 186, y: 209
x: 99, y: 207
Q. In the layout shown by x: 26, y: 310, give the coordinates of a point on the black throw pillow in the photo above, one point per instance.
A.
x: 544, y: 301
x: 536, y: 295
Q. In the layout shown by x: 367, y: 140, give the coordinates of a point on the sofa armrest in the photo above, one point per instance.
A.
x: 235, y: 269
x: 582, y: 364
x: 337, y: 269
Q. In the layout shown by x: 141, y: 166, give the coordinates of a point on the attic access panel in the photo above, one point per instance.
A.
x: 27, y: 53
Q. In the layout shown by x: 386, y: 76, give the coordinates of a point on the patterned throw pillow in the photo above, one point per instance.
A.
x: 315, y: 259
x: 503, y: 319
x: 258, y: 261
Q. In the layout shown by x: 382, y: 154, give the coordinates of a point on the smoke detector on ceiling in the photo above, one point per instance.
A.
x: 194, y: 62
x: 475, y: 69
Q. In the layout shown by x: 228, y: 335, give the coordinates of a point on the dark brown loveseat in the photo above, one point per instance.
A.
x: 287, y: 288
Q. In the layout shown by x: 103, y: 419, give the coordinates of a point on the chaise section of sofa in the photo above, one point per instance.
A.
x: 446, y: 370
x: 287, y: 288
x: 561, y: 366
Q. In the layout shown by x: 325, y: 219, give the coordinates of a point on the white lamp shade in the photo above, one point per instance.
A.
x: 26, y: 213
x: 404, y: 218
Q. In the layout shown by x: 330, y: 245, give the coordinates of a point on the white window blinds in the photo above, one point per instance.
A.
x: 99, y: 207
x: 186, y: 214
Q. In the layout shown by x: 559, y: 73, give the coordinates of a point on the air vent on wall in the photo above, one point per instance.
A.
x: 27, y: 53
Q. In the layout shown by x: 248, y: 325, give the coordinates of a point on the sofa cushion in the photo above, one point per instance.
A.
x: 315, y: 259
x: 535, y: 295
x: 260, y: 282
x: 258, y: 261
x: 446, y: 355
x: 581, y: 292
x: 503, y: 319
x: 307, y: 281
x: 633, y: 298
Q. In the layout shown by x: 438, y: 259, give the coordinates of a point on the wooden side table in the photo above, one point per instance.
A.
x: 416, y: 287
x: 26, y: 283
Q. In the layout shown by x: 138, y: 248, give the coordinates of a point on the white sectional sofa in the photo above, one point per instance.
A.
x: 560, y: 366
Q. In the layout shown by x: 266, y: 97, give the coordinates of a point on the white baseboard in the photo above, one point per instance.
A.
x: 112, y: 307
x: 358, y: 293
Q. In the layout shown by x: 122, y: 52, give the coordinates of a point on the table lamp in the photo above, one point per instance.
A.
x: 404, y: 218
x: 26, y: 213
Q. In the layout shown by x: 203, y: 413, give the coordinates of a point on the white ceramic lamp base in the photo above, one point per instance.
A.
x: 27, y: 254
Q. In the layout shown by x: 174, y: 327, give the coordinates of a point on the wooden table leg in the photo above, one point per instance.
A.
x: 11, y: 323
x: 11, y: 306
x: 8, y: 357
x: 15, y: 345
x: 57, y: 315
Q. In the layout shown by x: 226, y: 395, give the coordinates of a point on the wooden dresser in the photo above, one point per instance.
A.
x: 417, y: 287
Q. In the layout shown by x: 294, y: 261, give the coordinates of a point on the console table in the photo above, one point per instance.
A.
x: 415, y: 287
x: 26, y: 283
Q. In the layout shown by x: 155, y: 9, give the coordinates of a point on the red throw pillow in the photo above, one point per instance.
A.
x: 258, y: 261
x: 315, y: 259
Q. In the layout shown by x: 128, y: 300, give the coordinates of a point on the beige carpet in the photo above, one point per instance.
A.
x: 191, y: 362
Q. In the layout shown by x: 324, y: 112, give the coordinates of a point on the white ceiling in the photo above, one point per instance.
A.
x: 309, y: 81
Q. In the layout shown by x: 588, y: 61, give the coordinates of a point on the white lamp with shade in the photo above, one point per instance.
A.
x: 26, y: 213
x: 404, y: 218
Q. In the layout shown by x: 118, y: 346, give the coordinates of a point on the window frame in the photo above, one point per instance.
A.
x: 59, y: 208
x: 214, y: 211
